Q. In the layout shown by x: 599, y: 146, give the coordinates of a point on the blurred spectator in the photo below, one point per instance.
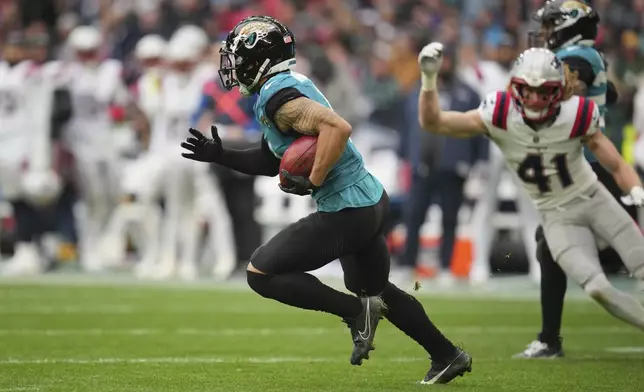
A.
x: 440, y: 167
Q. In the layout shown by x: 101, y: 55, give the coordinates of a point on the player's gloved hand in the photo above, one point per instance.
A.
x: 297, y: 185
x: 635, y: 197
x: 430, y: 59
x: 203, y: 149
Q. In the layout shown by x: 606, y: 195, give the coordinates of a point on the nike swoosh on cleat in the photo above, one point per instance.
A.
x: 367, y: 324
x: 436, y: 377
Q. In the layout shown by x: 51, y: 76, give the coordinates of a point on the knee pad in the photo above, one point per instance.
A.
x: 598, y: 287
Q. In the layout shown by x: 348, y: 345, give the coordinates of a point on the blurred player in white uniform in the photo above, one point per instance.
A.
x: 541, y: 128
x: 28, y: 104
x: 95, y: 85
x: 162, y: 172
x: 128, y: 216
x: 221, y: 239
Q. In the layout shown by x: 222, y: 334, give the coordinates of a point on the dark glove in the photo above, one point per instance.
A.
x: 297, y: 185
x: 203, y: 149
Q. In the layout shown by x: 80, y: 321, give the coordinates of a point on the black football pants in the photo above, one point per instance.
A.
x: 353, y: 235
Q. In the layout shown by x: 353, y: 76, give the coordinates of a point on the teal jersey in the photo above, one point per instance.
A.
x: 348, y: 184
x: 596, y: 91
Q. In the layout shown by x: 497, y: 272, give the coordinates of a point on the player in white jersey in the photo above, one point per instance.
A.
x: 138, y: 221
x: 162, y: 172
x: 28, y: 103
x: 541, y: 129
x: 14, y: 150
x: 95, y: 85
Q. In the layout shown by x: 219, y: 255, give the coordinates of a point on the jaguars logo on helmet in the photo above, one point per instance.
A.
x: 257, y: 47
x: 563, y: 23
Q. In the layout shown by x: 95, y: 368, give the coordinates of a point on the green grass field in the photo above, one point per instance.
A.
x: 158, y: 338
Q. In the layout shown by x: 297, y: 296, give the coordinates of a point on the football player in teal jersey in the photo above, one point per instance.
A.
x: 257, y: 57
x: 569, y: 28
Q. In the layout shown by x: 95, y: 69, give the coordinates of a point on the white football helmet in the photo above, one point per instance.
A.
x: 86, y: 41
x: 537, y: 82
x: 181, y: 57
x: 193, y: 36
x: 152, y: 46
x: 85, y: 38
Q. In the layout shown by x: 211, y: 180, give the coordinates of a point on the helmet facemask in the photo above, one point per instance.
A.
x: 234, y: 71
x: 537, y: 103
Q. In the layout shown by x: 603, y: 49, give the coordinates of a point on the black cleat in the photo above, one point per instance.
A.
x: 444, y: 371
x: 351, y: 323
x: 540, y: 350
x: 364, y: 326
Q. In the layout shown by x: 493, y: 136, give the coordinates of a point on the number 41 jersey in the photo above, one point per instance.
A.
x: 548, y: 162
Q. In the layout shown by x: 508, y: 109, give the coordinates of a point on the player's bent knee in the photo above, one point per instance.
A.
x: 258, y: 282
x: 257, y: 261
x: 251, y: 268
x: 598, y: 287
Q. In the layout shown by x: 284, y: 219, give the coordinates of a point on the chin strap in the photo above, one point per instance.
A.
x: 283, y: 66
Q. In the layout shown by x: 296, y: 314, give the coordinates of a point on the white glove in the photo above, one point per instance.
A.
x: 635, y: 197
x: 430, y: 59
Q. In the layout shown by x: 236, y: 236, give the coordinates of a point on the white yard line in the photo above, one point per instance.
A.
x: 22, y: 389
x: 118, y: 309
x: 228, y: 360
x: 170, y: 360
x: 512, y: 289
x: 626, y: 350
x: 228, y: 332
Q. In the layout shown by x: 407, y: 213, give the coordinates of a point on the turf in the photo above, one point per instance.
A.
x: 106, y: 337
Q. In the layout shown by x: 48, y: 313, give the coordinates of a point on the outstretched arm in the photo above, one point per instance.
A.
x: 256, y: 161
x: 309, y: 117
x: 449, y: 123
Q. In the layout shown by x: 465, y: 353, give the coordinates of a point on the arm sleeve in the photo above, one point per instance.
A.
x: 61, y: 113
x: 582, y: 67
x: 258, y: 161
x: 280, y: 98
